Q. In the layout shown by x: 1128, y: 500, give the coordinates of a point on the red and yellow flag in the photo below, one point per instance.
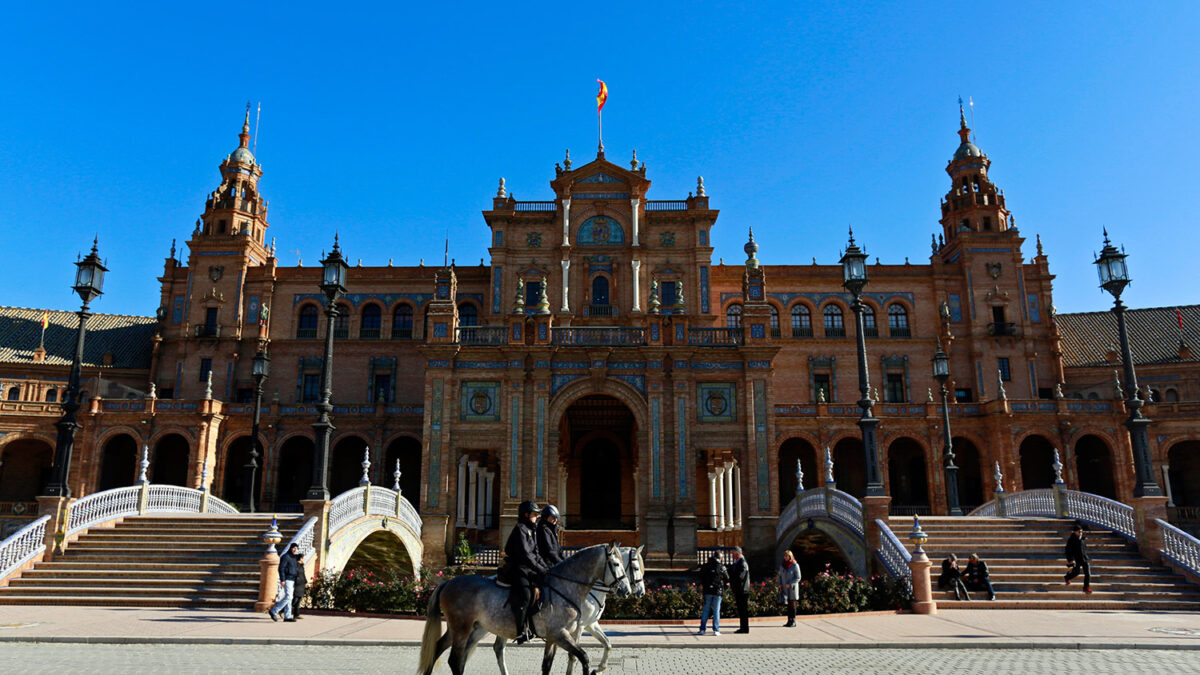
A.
x: 45, y: 318
x: 601, y: 96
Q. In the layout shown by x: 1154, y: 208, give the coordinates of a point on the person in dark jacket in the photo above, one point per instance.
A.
x: 739, y: 583
x: 547, y: 536
x: 1077, y: 558
x: 978, y: 576
x: 713, y: 580
x: 951, y: 576
x: 288, y: 571
x: 523, y: 567
x: 301, y: 584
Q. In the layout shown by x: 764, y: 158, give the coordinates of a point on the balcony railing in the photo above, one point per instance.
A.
x: 900, y: 331
x: 306, y: 333
x: 341, y: 333
x: 206, y: 330
x: 776, y: 332
x: 535, y: 206
x: 715, y: 337
x: 870, y: 331
x: 598, y: 336
x: 1002, y: 328
x: 483, y: 335
x: 802, y: 332
x: 402, y: 333
x: 666, y: 205
x: 368, y: 334
x: 835, y: 331
x: 600, y: 310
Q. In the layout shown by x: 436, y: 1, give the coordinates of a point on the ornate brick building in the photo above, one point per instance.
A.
x: 603, y: 362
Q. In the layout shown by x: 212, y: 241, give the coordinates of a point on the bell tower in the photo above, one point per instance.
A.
x: 973, y: 205
x: 235, y: 215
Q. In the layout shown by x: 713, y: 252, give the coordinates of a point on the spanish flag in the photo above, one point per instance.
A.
x: 601, y: 96
x: 45, y: 318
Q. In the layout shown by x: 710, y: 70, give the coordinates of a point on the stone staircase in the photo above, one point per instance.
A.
x: 1025, y: 559
x: 155, y: 561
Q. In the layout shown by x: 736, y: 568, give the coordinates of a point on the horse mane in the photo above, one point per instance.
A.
x: 578, y: 557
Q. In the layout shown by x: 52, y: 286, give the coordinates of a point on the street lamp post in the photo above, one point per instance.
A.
x: 260, y: 368
x: 1114, y: 277
x: 89, y: 284
x: 854, y: 279
x: 941, y: 372
x: 333, y: 284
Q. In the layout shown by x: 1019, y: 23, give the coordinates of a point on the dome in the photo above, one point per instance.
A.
x: 967, y: 149
x: 243, y: 155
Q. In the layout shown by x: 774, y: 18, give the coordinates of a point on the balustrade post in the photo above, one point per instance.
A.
x: 268, y: 566
x: 59, y: 510
x: 1146, y: 510
x: 366, y: 505
x: 923, y: 602
x: 319, y: 509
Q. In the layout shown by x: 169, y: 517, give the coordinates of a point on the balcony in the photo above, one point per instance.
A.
x: 835, y: 331
x: 1003, y: 328
x: 606, y: 311
x: 802, y: 331
x: 306, y: 333
x: 368, y: 333
x: 483, y: 335
x: 776, y: 332
x: 715, y: 337
x: 535, y: 206
x: 402, y: 333
x: 870, y: 331
x: 900, y: 331
x: 592, y: 336
x: 206, y: 330
x: 666, y: 205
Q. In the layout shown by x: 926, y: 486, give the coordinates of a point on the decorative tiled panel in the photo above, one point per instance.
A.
x: 514, y: 446
x: 600, y: 230
x: 681, y: 443
x: 716, y: 402
x: 760, y: 444
x: 497, y: 284
x: 636, y: 381
x: 758, y: 331
x: 540, y: 478
x: 703, y: 287
x: 656, y: 446
x: 434, y: 489
x: 481, y: 365
x: 560, y: 380
x: 480, y: 401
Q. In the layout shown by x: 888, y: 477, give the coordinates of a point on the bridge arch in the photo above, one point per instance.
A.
x: 373, y: 524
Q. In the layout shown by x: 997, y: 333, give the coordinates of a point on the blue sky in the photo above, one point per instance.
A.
x: 392, y: 124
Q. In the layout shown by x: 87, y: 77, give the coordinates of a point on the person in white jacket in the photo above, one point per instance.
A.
x: 789, y: 585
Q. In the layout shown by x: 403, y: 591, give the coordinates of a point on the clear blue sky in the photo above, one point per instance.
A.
x: 393, y: 123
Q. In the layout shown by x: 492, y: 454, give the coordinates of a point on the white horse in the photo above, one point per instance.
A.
x: 593, y: 605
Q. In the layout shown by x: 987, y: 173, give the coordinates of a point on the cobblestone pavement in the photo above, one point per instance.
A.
x: 184, y: 659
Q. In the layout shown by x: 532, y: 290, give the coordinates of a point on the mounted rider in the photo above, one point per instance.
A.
x: 547, y: 536
x: 523, y: 568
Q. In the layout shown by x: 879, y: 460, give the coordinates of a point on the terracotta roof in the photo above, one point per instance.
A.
x: 127, y: 338
x: 1087, y: 337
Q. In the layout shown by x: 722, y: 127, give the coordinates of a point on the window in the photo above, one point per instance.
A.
x: 669, y: 296
x: 14, y: 394
x: 963, y: 395
x: 402, y: 322
x: 774, y: 322
x: 801, y: 321
x: 307, y: 326
x: 733, y: 316
x: 210, y: 317
x: 1156, y: 396
x: 1005, y: 372
x: 205, y: 369
x: 51, y: 395
x: 821, y: 387
x: 964, y: 225
x: 998, y: 314
x: 468, y: 315
x: 895, y: 388
x: 987, y: 222
x: 898, y: 321
x: 381, y: 388
x: 1172, y: 396
x: 312, y: 388
x: 533, y: 295
x: 341, y: 324
x: 600, y: 291
x: 372, y: 322
x: 834, y: 327
x: 245, y: 395
x: 869, y: 327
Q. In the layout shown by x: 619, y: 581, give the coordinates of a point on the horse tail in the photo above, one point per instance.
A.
x: 433, y: 631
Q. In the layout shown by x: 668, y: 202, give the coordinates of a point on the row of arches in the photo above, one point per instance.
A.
x: 49, y: 396
x: 834, y: 319
x: 370, y: 323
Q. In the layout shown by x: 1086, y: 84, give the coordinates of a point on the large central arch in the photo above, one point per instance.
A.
x: 598, y: 451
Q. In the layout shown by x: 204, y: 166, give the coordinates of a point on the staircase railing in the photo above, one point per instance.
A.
x: 1180, y: 548
x: 372, y: 501
x: 22, y: 546
x: 1060, y: 502
x: 822, y: 502
x: 100, y: 507
x: 893, y: 554
x: 304, y: 537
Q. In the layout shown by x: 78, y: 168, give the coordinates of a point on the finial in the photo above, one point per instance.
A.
x: 1058, y: 467
x: 1058, y: 392
x: 829, y: 468
x: 1117, y: 382
x: 751, y: 249
x: 1003, y: 395
x: 851, y: 228
x: 144, y: 464
x: 567, y: 161
x: 543, y: 306
x: 366, y: 467
x: 799, y: 477
x: 1039, y: 244
x: 204, y: 474
x: 396, y: 477
x: 172, y: 249
x: 918, y: 537
x: 933, y: 242
x: 519, y: 301
x: 197, y: 230
x: 208, y: 386
x: 654, y: 304
x: 633, y: 163
x: 1105, y: 231
x: 153, y: 390
x: 501, y: 193
x: 246, y: 121
x: 820, y: 394
x: 700, y: 187
x: 999, y: 478
x: 929, y: 395
x: 962, y: 117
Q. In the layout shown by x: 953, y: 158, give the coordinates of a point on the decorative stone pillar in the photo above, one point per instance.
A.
x: 737, y: 495
x: 566, y: 285
x: 637, y: 241
x: 729, y: 495
x: 268, y: 566
x: 1146, y: 512
x: 637, y: 286
x: 472, y: 492
x: 919, y: 564
x: 566, y: 221
x: 488, y: 515
x: 720, y: 498
x: 712, y: 500
x: 460, y: 517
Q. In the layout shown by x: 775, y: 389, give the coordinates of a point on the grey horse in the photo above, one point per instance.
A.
x: 593, y: 606
x: 475, y: 606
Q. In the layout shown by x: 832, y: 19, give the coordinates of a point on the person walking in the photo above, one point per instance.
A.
x: 978, y: 577
x: 951, y: 576
x: 713, y: 579
x: 301, y: 584
x: 547, y: 536
x: 789, y: 585
x: 739, y: 583
x: 1077, y: 558
x: 287, y: 585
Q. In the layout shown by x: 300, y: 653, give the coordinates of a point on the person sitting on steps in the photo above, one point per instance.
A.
x: 523, y: 568
x: 952, y: 577
x: 978, y: 576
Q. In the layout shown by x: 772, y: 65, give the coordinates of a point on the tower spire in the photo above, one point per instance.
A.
x: 964, y: 132
x: 244, y: 137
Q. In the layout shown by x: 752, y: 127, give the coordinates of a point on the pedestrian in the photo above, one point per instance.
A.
x: 978, y: 577
x: 1077, y: 558
x: 739, y: 583
x: 547, y: 536
x: 789, y: 586
x: 713, y: 579
x: 301, y: 584
x: 952, y: 577
x: 287, y: 584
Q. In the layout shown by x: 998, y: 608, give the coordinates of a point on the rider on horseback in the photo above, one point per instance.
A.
x: 547, y: 536
x: 523, y: 568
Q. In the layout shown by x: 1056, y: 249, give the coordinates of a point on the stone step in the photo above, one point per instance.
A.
x: 216, y: 575
x: 122, y: 558
x: 88, y: 600
x: 1165, y: 604
x: 138, y: 567
x: 129, y: 591
x: 139, y: 582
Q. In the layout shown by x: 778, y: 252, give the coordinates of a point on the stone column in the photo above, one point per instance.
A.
x: 566, y: 285
x: 712, y: 499
x: 472, y: 491
x: 637, y: 292
x: 1149, y: 533
x: 460, y: 517
x: 491, y: 480
x: 636, y: 237
x: 729, y: 495
x: 737, y: 495
x: 720, y: 498
x: 566, y: 222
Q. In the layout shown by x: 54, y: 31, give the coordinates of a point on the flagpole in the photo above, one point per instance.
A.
x: 600, y: 128
x: 43, y: 344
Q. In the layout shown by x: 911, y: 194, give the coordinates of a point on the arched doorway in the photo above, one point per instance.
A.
x: 169, y: 465
x: 25, y: 469
x: 408, y: 451
x: 908, y: 481
x: 796, y: 449
x: 849, y: 466
x: 118, y: 463
x: 1037, y: 463
x: 814, y: 550
x: 236, y: 459
x: 1184, y: 473
x: 599, y: 454
x: 345, y: 465
x: 970, y: 474
x: 293, y: 473
x: 1093, y: 462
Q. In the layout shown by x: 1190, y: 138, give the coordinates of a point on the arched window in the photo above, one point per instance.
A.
x: 51, y: 396
x: 307, y: 326
x: 372, y: 322
x: 1156, y: 396
x: 898, y: 321
x: 869, y: 327
x: 468, y: 315
x: 733, y: 316
x: 1172, y: 396
x: 834, y: 326
x: 402, y: 322
x: 341, y: 325
x: 774, y: 322
x: 600, y: 291
x: 14, y: 394
x: 801, y: 321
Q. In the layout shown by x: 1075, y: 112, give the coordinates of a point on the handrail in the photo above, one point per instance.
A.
x: 304, y: 537
x: 893, y: 554
x: 100, y: 507
x: 22, y: 546
x: 345, y: 508
x: 354, y: 504
x: 822, y: 502
x: 1180, y: 547
x: 1063, y: 503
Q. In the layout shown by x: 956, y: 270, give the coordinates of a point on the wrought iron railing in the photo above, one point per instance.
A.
x: 483, y: 335
x: 666, y: 205
x: 480, y: 556
x: 1003, y: 328
x: 900, y: 331
x: 206, y: 330
x: 535, y: 206
x: 24, y: 545
x: 600, y: 310
x: 893, y: 554
x: 723, y: 553
x: 802, y: 332
x: 1180, y: 547
x: 598, y: 336
x: 835, y: 331
x: 715, y: 337
x: 910, y: 510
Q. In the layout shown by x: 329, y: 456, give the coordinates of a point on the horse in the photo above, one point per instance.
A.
x: 475, y: 606
x: 593, y: 606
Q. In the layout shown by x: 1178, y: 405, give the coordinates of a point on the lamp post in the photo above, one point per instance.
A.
x: 941, y: 372
x: 1114, y: 277
x: 333, y: 284
x: 260, y: 367
x: 89, y: 284
x: 854, y: 279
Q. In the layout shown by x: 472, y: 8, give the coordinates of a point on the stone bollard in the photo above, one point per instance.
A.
x: 923, y: 602
x: 268, y: 580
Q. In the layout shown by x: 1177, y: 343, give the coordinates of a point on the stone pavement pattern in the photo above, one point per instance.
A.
x: 184, y: 659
